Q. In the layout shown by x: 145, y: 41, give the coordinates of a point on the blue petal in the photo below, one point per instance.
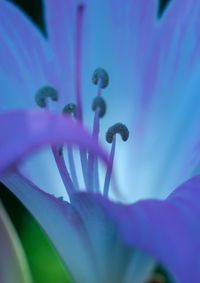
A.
x: 59, y: 222
x: 167, y: 230
x: 154, y: 67
x: 27, y: 62
x: 114, y: 260
x: 60, y: 20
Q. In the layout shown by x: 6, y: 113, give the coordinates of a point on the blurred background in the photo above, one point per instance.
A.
x: 44, y: 263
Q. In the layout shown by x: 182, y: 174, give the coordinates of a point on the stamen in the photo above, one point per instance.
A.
x: 60, y: 162
x: 100, y: 74
x: 99, y: 103
x: 72, y: 166
x: 44, y: 93
x: 70, y: 109
x: 96, y: 175
x: 118, y: 128
x: 41, y: 99
x: 99, y: 106
x: 109, y: 168
x: 121, y: 129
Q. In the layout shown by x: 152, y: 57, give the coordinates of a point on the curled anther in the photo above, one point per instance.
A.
x: 81, y: 7
x: 70, y: 109
x: 100, y: 75
x: 117, y: 128
x: 44, y: 93
x: 100, y: 104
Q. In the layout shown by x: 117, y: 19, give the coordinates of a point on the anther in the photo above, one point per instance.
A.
x: 99, y: 103
x: 44, y: 93
x: 118, y: 128
x: 81, y: 7
x: 100, y: 75
x: 70, y: 109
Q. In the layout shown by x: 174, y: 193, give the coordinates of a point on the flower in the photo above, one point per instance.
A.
x: 147, y: 62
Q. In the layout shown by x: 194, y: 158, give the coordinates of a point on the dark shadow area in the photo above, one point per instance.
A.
x: 162, y: 6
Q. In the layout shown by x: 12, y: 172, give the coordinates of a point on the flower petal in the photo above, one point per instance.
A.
x: 59, y: 221
x: 23, y: 132
x: 106, y: 24
x: 114, y: 260
x: 167, y: 230
x: 26, y: 59
x: 84, y: 237
x: 158, y: 56
x: 13, y: 266
x: 60, y: 20
x: 164, y: 114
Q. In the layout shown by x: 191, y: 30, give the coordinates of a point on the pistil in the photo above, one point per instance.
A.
x: 101, y: 79
x: 79, y: 28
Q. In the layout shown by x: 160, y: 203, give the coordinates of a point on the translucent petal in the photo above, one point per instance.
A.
x: 114, y: 260
x: 23, y: 132
x: 167, y: 230
x: 60, y: 223
x: 154, y: 83
x: 27, y: 62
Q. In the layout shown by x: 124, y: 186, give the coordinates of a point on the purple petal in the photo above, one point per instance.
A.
x: 60, y: 20
x: 106, y: 25
x: 158, y: 57
x: 27, y: 62
x: 167, y: 230
x: 165, y: 114
x: 23, y: 132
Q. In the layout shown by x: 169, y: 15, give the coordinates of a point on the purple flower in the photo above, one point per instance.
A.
x: 153, y: 91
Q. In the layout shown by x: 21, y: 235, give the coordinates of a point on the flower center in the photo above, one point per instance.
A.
x: 89, y: 162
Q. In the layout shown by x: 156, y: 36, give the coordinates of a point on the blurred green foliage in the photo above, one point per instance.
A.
x: 44, y: 263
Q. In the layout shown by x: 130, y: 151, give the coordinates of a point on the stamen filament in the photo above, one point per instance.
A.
x: 109, y: 168
x: 96, y: 175
x: 84, y: 164
x: 91, y: 158
x: 92, y: 161
x: 71, y: 110
x: 60, y: 162
x: 72, y: 166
